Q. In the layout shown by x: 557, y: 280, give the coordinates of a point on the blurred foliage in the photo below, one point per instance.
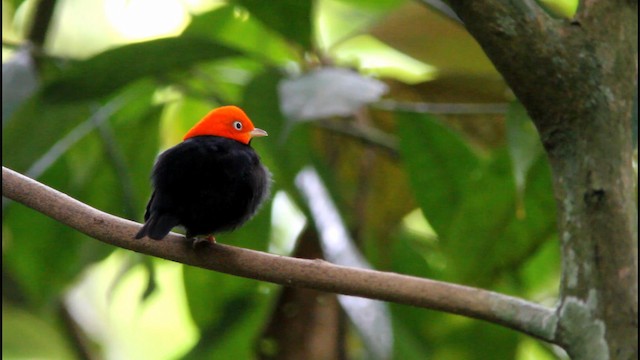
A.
x: 462, y: 198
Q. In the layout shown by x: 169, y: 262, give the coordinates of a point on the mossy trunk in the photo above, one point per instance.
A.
x: 577, y: 79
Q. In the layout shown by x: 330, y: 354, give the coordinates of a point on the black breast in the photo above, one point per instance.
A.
x: 210, y: 184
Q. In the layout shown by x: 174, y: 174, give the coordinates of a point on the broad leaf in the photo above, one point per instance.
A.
x: 291, y: 18
x: 486, y: 227
x: 440, y: 166
x: 112, y: 69
x: 35, y: 127
x: 28, y: 336
x: 227, y: 25
x: 84, y: 171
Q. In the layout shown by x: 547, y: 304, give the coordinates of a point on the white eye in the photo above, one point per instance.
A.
x: 237, y: 125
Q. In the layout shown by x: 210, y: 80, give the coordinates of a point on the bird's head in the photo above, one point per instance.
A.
x: 226, y: 121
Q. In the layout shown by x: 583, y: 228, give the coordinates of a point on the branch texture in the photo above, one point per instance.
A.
x: 517, y: 314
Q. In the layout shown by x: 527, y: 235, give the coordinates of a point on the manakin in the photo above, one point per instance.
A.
x: 211, y: 182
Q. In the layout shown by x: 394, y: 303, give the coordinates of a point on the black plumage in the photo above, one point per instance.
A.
x: 207, y: 184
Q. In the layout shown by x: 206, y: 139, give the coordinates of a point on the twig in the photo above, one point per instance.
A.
x: 41, y: 20
x: 76, y: 134
x: 443, y: 8
x: 442, y: 108
x: 63, y: 145
x: 517, y: 314
x: 366, y: 134
x: 80, y: 343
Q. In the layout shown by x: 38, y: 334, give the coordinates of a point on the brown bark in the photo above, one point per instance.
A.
x: 576, y: 78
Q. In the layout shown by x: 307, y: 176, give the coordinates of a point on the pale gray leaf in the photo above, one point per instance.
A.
x: 327, y: 92
x: 370, y: 317
x: 19, y: 81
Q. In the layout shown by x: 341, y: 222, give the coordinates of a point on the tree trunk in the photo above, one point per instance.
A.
x: 577, y: 79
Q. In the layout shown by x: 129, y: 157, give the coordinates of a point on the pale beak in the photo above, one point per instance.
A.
x: 257, y: 133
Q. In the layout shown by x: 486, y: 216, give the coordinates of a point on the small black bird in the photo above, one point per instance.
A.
x: 211, y: 182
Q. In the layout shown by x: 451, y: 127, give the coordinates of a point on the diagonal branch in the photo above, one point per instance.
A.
x: 517, y: 314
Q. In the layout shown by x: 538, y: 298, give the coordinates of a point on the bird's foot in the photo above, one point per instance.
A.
x: 199, y: 242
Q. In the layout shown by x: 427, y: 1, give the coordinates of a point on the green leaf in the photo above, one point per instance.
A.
x: 439, y: 164
x: 379, y: 5
x: 525, y: 237
x: 112, y: 69
x: 471, y: 339
x: 487, y: 230
x: 255, y: 235
x: 339, y: 20
x: 42, y: 255
x: 472, y: 204
x: 35, y: 127
x: 83, y: 172
x: 541, y: 273
x: 226, y: 78
x: 229, y: 310
x: 232, y: 313
x: 416, y: 254
x: 27, y: 336
x: 291, y: 18
x: 135, y: 130
x: 487, y: 207
x: 407, y: 342
x: 228, y: 25
x: 560, y: 8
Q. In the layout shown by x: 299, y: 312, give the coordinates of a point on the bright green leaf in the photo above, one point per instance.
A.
x: 230, y: 25
x: 486, y: 228
x: 291, y: 18
x: 27, y: 336
x: 560, y: 8
x: 339, y: 20
x: 35, y: 127
x: 487, y: 206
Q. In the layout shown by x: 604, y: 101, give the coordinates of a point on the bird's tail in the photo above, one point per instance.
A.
x: 158, y: 226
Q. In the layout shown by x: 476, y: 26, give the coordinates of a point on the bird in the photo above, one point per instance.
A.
x: 211, y: 182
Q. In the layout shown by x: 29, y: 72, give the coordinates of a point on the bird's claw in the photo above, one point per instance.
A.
x: 199, y: 242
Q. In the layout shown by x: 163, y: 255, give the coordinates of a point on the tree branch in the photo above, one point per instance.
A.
x: 442, y: 108
x: 517, y: 314
x: 366, y: 134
